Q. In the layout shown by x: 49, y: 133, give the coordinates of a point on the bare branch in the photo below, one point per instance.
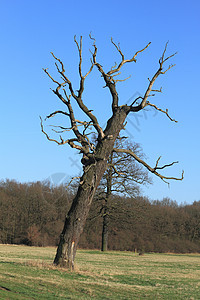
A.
x: 163, y: 59
x: 121, y: 80
x: 171, y: 66
x: 59, y: 84
x: 90, y: 70
x: 157, y: 163
x: 55, y: 113
x: 110, y: 83
x: 165, y: 166
x: 61, y: 63
x: 97, y: 215
x: 116, y: 171
x: 62, y: 142
x: 63, y: 129
x: 77, y: 177
x: 152, y: 170
x: 123, y: 61
x: 163, y: 111
x: 92, y: 117
x: 116, y: 74
x: 118, y: 48
x: 158, y: 91
x: 71, y: 116
x: 80, y: 54
x: 64, y: 77
x: 79, y: 46
x: 152, y: 81
x: 114, y: 66
x: 92, y: 38
x: 77, y: 98
x: 136, y: 100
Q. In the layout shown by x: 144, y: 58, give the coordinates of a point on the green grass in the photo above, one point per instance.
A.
x: 28, y: 273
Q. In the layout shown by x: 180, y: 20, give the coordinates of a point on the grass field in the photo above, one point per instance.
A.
x: 28, y: 273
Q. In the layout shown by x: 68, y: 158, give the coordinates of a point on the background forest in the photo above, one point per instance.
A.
x: 33, y: 214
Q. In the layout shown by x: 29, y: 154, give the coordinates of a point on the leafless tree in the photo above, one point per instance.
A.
x: 124, y: 176
x: 95, y: 156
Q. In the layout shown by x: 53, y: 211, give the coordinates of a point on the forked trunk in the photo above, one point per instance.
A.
x: 93, y: 172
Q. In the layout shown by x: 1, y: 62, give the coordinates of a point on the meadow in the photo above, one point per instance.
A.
x: 28, y: 273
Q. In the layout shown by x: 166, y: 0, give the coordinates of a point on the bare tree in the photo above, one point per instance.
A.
x: 123, y: 176
x: 95, y: 157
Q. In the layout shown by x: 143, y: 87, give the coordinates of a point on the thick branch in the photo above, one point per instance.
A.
x: 152, y: 170
x: 107, y: 78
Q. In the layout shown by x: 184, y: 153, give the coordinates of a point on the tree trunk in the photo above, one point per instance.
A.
x: 75, y: 220
x: 93, y: 172
x: 104, y: 242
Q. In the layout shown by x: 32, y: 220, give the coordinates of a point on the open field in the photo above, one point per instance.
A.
x: 27, y: 273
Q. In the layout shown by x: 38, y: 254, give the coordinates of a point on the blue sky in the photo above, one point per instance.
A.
x: 30, y: 30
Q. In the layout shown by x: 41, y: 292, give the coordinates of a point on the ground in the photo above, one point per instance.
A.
x: 28, y: 273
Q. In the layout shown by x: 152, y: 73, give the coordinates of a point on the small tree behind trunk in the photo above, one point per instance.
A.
x: 104, y: 246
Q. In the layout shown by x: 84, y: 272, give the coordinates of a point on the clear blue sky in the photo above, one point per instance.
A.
x: 31, y: 29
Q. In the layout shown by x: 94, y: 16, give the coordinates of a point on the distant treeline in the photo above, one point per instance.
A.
x: 33, y: 214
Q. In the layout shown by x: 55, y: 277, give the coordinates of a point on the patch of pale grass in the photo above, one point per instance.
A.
x: 41, y: 264
x: 118, y: 285
x: 16, y: 250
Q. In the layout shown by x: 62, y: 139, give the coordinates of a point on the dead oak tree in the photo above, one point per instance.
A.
x: 95, y: 156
